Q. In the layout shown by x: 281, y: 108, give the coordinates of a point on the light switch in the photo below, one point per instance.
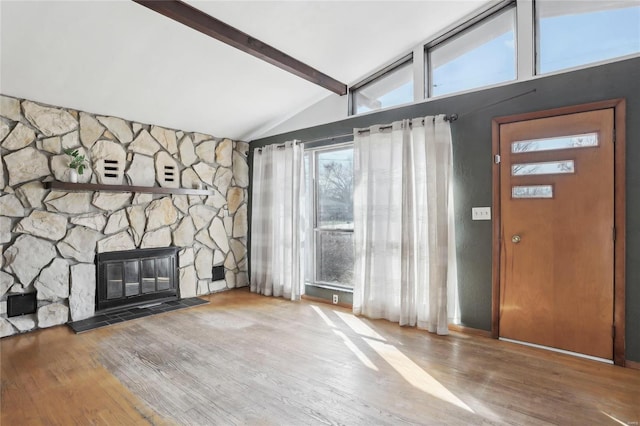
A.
x: 481, y: 213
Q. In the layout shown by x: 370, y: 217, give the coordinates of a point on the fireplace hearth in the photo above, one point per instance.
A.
x: 136, y: 277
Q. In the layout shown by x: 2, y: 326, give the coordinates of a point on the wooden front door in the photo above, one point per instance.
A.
x: 557, y: 232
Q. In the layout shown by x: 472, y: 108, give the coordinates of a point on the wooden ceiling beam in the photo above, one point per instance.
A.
x: 207, y: 24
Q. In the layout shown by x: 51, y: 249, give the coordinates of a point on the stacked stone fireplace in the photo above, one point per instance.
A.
x: 50, y: 237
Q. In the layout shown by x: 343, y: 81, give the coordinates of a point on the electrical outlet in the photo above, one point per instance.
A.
x: 335, y: 299
x: 481, y: 213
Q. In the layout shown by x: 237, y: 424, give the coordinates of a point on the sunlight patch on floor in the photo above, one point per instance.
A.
x: 361, y: 356
x: 323, y: 316
x: 348, y: 343
x: 616, y: 420
x: 408, y: 369
x: 415, y: 375
x: 359, y: 326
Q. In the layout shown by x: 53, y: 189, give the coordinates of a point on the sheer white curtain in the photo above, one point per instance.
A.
x: 277, y: 221
x: 401, y: 222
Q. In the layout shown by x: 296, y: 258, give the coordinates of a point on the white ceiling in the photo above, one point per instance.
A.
x: 119, y: 58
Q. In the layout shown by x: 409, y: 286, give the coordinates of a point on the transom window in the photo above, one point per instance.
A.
x: 391, y: 86
x: 506, y: 41
x: 573, y: 33
x: 483, y: 55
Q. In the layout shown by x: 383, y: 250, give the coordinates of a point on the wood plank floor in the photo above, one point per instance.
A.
x: 248, y: 359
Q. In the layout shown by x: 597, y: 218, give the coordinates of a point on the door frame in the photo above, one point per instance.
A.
x: 619, y: 107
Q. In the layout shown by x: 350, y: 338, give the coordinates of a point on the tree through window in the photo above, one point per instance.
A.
x: 333, y: 217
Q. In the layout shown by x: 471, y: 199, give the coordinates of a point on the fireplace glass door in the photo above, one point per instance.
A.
x: 114, y: 280
x: 135, y: 276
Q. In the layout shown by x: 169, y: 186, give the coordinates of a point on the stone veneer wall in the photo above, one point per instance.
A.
x: 49, y: 238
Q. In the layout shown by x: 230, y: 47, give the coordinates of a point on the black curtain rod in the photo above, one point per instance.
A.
x: 280, y: 145
x: 450, y: 118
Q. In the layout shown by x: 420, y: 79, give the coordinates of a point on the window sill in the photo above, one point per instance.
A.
x: 331, y: 287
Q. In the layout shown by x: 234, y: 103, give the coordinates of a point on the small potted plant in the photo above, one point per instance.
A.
x: 77, y: 164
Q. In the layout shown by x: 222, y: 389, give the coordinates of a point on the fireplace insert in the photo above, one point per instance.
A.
x: 135, y: 277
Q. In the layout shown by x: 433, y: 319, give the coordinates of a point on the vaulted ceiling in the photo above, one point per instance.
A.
x: 120, y: 58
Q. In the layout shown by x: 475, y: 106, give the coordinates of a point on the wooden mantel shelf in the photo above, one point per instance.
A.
x: 68, y: 186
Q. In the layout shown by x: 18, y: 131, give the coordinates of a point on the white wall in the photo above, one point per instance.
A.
x: 330, y: 109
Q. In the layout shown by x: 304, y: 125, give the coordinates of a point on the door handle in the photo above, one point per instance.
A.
x: 515, y: 239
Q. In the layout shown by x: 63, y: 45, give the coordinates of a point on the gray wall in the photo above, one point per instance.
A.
x: 472, y: 168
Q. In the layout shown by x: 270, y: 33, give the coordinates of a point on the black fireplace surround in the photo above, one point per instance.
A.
x: 135, y: 277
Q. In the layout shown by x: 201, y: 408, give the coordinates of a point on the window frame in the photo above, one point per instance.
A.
x: 534, y: 31
x: 525, y: 54
x: 373, y: 78
x: 464, y: 28
x: 313, y: 223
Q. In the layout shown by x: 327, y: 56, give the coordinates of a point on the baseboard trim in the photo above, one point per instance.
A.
x: 328, y: 302
x: 632, y: 364
x: 469, y: 330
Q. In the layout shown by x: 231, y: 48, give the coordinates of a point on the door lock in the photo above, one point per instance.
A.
x: 515, y: 239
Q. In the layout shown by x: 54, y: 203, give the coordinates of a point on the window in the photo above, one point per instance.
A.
x: 585, y: 140
x: 482, y: 55
x: 547, y: 168
x: 570, y: 34
x: 391, y: 86
x: 330, y: 184
x: 482, y: 51
x: 532, y: 191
